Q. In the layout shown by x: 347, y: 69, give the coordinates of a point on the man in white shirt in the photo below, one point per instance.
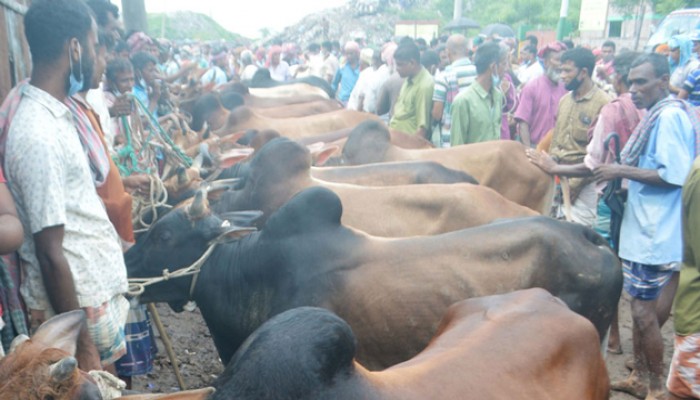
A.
x: 71, y: 252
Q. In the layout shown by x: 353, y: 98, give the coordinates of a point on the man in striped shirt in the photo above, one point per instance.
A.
x: 448, y: 84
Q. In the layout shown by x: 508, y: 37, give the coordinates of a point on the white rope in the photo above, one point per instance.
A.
x: 138, y: 285
x: 157, y: 197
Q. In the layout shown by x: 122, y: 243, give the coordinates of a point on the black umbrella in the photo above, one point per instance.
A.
x: 501, y: 30
x: 461, y: 23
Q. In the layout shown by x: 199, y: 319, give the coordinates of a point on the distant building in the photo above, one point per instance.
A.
x: 600, y: 20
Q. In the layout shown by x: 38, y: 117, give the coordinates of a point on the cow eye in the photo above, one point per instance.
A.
x: 165, y: 236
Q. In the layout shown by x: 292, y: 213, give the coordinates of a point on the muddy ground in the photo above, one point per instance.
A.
x: 200, y: 364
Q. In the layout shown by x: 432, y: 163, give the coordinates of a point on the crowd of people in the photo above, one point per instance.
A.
x: 617, y: 128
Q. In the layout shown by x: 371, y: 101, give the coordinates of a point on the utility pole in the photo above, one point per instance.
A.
x: 563, y: 12
x: 134, y: 12
x: 457, y: 10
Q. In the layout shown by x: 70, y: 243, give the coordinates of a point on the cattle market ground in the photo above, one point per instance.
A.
x: 200, y: 364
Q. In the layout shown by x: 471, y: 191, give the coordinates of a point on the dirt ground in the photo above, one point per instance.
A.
x: 200, y: 365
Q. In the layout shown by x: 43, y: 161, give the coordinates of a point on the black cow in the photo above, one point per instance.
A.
x: 392, y: 292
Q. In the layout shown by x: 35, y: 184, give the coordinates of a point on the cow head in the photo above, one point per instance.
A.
x: 44, y: 366
x: 366, y: 144
x: 176, y: 241
x: 303, y: 350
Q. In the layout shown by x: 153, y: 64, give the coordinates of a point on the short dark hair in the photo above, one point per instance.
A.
x: 569, y: 43
x: 421, y: 43
x: 622, y: 64
x: 430, y: 57
x: 121, y: 46
x: 407, y: 51
x: 327, y: 45
x: 314, y: 47
x: 49, y: 24
x: 533, y: 40
x: 117, y: 66
x: 608, y: 43
x: 102, y: 9
x: 657, y: 61
x: 486, y: 54
x: 530, y: 49
x: 581, y: 57
x: 141, y: 59
x: 105, y: 39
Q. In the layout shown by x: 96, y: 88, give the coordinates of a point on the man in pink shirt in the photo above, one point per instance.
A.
x: 539, y: 99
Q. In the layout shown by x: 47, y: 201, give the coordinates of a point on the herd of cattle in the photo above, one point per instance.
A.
x: 399, y: 272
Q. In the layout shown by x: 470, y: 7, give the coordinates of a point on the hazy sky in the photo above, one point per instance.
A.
x: 247, y: 17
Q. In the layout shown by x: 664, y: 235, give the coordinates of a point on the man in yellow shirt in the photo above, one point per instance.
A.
x: 415, y: 102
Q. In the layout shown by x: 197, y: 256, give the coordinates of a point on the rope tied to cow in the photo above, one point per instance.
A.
x: 138, y: 285
x: 145, y: 206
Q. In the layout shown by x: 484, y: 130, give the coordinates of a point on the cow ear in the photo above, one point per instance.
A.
x: 16, y: 342
x: 233, y: 233
x: 321, y: 155
x: 234, y: 156
x: 61, y: 331
x: 217, y: 188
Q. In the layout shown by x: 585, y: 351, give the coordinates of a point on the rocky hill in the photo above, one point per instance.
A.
x: 372, y: 20
x: 183, y: 25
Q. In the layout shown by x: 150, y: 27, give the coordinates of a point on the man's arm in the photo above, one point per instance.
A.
x: 336, y: 82
x: 438, y: 107
x: 548, y: 165
x: 11, y: 232
x: 524, y: 129
x: 460, y: 122
x: 647, y: 176
x: 424, y: 103
x: 60, y: 288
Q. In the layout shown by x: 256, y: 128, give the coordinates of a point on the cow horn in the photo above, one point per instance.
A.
x: 181, y: 176
x: 63, y: 369
x: 199, y: 206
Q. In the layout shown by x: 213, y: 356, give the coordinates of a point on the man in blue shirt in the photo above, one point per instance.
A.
x: 347, y: 75
x: 656, y: 161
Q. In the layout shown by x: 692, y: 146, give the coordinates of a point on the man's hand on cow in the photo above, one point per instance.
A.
x: 139, y: 184
x: 542, y: 160
x: 608, y: 172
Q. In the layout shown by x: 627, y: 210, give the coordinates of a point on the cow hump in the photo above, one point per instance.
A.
x: 310, y: 210
x: 280, y: 158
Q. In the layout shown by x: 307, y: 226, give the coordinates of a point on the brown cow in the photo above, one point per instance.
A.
x: 281, y: 169
x: 265, y: 102
x: 243, y: 118
x: 392, y: 174
x: 291, y: 90
x: 523, y: 345
x: 44, y: 366
x: 502, y: 165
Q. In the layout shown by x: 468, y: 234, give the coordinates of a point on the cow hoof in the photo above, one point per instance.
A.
x: 631, y: 386
x: 615, y: 350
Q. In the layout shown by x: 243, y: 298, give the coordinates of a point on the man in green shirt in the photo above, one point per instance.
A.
x: 415, y: 101
x: 684, y: 376
x: 476, y: 112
